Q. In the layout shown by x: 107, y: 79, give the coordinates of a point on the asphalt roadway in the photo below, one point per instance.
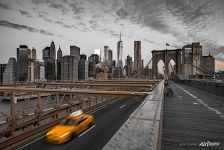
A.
x: 193, y: 120
x: 107, y: 121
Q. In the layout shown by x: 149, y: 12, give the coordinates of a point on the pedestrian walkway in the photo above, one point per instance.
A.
x: 193, y: 120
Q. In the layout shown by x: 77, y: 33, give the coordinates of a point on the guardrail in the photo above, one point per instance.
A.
x: 143, y: 129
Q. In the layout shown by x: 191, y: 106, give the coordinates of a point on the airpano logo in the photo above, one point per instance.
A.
x: 209, y: 144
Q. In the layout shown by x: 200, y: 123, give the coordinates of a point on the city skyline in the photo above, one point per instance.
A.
x: 93, y: 24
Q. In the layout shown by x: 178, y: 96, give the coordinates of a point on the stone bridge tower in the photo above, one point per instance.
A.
x: 166, y: 56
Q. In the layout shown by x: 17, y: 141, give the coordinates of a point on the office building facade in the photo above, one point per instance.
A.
x: 83, y: 70
x: 2, y: 69
x: 22, y: 62
x: 9, y: 75
x: 108, y: 56
x: 31, y: 64
x: 49, y: 57
x: 137, y: 56
x: 69, y: 68
x: 75, y: 51
x: 39, y: 71
x: 93, y: 60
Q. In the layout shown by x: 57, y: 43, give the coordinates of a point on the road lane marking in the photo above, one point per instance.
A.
x: 203, y: 103
x: 31, y: 142
x: 100, y: 108
x: 122, y: 106
x: 86, y: 131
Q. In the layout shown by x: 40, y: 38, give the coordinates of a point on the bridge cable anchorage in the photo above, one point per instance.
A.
x: 142, y: 69
x: 203, y: 70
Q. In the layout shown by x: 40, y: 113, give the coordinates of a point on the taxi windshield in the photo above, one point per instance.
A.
x: 69, y: 122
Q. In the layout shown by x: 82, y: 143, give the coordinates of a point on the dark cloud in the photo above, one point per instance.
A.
x: 40, y: 1
x: 147, y: 13
x: 24, y: 27
x: 67, y: 26
x: 94, y: 25
x: 122, y: 13
x: 41, y: 16
x: 53, y: 4
x: 44, y: 18
x: 189, y: 11
x: 58, y: 6
x: 25, y: 13
x: 76, y: 8
x: 4, y: 6
x: 59, y: 22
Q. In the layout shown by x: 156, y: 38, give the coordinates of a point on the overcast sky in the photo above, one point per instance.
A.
x: 92, y: 24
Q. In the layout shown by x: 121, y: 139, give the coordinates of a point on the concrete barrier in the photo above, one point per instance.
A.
x: 143, y: 129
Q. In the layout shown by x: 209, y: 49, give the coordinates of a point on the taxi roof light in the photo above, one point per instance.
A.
x: 76, y: 113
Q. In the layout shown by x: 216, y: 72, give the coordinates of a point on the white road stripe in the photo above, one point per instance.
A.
x: 31, y: 142
x: 203, y: 103
x: 122, y: 106
x: 86, y: 131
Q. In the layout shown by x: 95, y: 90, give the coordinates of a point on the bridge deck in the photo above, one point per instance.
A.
x: 192, y: 118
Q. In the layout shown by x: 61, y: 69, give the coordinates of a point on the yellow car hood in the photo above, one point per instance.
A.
x: 61, y: 129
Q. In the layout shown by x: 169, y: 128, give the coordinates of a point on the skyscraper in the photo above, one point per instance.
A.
x: 22, y: 63
x: 137, y: 56
x: 2, y: 69
x: 83, y: 68
x: 39, y: 71
x: 9, y: 75
x: 93, y: 60
x: 31, y: 64
x: 129, y: 64
x: 59, y: 58
x: 49, y: 57
x: 119, y: 53
x: 69, y: 68
x: 108, y: 56
x: 75, y: 51
x: 59, y: 54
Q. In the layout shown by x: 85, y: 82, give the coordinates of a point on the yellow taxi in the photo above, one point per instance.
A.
x: 72, y: 125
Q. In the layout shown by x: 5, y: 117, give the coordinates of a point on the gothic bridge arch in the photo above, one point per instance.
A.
x: 166, y: 56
